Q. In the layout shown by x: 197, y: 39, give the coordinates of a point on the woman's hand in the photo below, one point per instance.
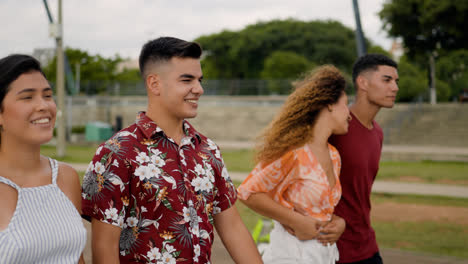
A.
x: 304, y: 227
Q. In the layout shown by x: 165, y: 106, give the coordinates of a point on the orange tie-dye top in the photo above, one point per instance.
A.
x: 297, y: 180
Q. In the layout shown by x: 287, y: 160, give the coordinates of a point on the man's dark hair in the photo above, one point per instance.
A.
x: 165, y: 48
x: 371, y: 62
x: 11, y: 67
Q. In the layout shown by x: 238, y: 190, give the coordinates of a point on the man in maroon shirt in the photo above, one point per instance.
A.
x: 375, y: 77
x: 155, y: 191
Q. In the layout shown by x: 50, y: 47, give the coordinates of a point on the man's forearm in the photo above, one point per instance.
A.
x: 236, y: 238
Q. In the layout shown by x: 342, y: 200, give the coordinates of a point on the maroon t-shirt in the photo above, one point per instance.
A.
x: 360, y: 151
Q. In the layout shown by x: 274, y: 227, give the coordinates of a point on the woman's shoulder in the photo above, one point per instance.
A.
x: 67, y: 169
x: 67, y: 175
x: 68, y: 181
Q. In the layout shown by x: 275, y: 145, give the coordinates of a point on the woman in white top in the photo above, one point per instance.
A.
x: 40, y: 199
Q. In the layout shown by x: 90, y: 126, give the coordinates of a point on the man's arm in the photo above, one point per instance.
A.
x: 332, y: 231
x: 235, y: 236
x: 105, y: 242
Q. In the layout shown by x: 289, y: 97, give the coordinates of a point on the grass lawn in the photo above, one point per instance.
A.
x: 242, y: 161
x: 435, y: 237
x: 455, y: 173
x: 378, y: 198
x: 239, y: 160
x: 74, y: 153
x: 425, y: 171
x: 422, y: 171
x: 430, y: 237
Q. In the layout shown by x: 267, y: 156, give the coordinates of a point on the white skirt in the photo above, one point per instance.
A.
x: 285, y: 248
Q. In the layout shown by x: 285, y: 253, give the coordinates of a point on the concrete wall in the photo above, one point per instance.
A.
x: 243, y: 118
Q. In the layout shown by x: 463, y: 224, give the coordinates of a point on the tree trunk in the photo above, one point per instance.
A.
x: 432, y: 88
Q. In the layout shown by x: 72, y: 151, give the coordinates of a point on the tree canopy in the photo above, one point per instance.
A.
x: 427, y: 25
x: 243, y: 54
x: 96, y: 72
x: 432, y: 31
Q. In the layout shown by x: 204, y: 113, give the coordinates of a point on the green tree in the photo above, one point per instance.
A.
x: 128, y: 75
x: 427, y: 27
x: 96, y: 72
x: 218, y: 61
x: 413, y: 82
x: 284, y: 65
x: 242, y: 54
x: 379, y: 50
x: 452, y: 68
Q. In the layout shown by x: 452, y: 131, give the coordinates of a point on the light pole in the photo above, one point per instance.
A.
x: 360, y: 42
x: 60, y: 86
x: 56, y: 31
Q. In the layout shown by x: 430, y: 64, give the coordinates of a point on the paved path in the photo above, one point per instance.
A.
x: 389, y: 152
x: 386, y: 148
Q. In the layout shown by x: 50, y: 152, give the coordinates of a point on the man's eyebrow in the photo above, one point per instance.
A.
x: 190, y: 76
x: 186, y: 75
x: 31, y: 90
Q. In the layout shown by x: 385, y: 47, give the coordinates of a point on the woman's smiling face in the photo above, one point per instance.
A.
x: 28, y: 110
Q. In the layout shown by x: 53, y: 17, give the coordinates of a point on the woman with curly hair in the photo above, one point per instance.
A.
x: 296, y: 179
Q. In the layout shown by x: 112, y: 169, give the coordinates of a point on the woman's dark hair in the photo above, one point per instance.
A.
x: 11, y: 67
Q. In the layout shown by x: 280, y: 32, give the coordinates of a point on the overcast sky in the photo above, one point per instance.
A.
x: 108, y: 27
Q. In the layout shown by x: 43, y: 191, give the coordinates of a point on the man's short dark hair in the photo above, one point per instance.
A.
x: 371, y: 62
x: 11, y: 67
x: 165, y: 48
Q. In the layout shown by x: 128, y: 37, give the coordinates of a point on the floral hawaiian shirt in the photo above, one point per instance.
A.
x: 162, y: 195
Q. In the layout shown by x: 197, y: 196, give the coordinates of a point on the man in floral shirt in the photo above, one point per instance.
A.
x: 155, y: 190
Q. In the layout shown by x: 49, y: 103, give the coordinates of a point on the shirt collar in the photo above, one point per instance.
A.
x: 150, y: 128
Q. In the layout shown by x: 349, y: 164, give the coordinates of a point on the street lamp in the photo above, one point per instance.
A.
x: 360, y: 42
x: 56, y: 31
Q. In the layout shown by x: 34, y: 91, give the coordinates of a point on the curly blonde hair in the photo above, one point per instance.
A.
x: 292, y: 126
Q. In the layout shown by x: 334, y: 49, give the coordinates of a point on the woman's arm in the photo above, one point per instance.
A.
x: 69, y: 182
x: 303, y: 227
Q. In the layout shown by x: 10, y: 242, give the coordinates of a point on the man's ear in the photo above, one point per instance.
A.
x: 362, y: 83
x: 153, y: 83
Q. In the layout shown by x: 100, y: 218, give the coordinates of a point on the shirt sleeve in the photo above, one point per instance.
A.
x: 105, y: 189
x: 336, y: 160
x: 267, y: 178
x: 226, y: 194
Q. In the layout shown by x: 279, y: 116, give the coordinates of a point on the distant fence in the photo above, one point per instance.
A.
x: 232, y: 87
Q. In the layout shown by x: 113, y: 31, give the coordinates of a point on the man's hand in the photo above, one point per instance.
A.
x: 236, y: 238
x: 331, y: 232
